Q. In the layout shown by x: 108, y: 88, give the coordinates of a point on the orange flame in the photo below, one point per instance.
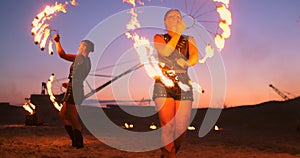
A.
x: 220, y: 42
x: 41, y: 29
x: 39, y: 26
x: 216, y: 128
x: 44, y: 40
x: 152, y: 126
x: 224, y: 24
x: 226, y: 2
x: 209, y: 53
x: 50, y: 47
x: 134, y: 22
x: 191, y: 128
x: 225, y: 14
x: 29, y: 107
x: 144, y: 48
x: 39, y: 34
x: 52, y: 97
x: 145, y: 52
x: 226, y: 29
x: 132, y: 2
x: 127, y: 126
x: 74, y: 3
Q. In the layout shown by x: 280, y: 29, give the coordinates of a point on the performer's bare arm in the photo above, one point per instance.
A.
x: 61, y: 52
x: 164, y: 48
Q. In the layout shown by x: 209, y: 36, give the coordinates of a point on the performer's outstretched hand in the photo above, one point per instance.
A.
x: 65, y: 84
x: 56, y: 37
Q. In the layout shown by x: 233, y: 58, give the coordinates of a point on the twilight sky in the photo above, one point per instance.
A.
x: 263, y: 49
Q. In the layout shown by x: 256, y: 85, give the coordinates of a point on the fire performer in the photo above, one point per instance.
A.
x: 80, y: 68
x: 177, y: 52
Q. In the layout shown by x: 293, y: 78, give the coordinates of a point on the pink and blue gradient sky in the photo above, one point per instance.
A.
x: 263, y: 49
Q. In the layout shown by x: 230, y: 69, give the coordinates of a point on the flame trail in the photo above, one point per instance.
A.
x: 44, y: 40
x: 134, y: 23
x: 226, y: 29
x: 57, y: 105
x: 39, y: 34
x: 145, y: 50
x: 41, y: 29
x: 224, y: 24
x: 132, y: 2
x: 226, y: 2
x: 225, y: 14
x: 29, y: 107
x: 50, y: 48
x: 220, y: 41
x: 209, y: 53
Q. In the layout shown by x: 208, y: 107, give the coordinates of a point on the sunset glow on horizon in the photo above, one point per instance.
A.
x: 263, y: 49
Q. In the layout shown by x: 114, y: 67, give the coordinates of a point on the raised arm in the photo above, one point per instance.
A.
x: 164, y: 48
x: 61, y: 52
x: 193, y: 55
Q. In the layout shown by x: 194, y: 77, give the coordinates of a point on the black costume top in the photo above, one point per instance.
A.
x: 181, y: 51
x: 175, y: 92
x: 79, y: 70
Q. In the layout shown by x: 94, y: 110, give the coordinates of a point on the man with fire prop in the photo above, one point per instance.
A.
x: 80, y: 68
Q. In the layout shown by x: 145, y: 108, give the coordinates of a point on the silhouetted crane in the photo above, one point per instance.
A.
x: 285, y: 97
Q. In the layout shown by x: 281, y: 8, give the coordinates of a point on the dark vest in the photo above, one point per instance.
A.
x: 78, y: 72
x: 181, y: 51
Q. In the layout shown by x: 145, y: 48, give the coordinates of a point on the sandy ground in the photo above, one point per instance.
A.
x: 52, y: 141
x: 268, y: 130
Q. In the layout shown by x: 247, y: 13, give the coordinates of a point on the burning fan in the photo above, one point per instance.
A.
x: 211, y: 16
x: 219, y: 15
x: 40, y: 27
x: 196, y: 13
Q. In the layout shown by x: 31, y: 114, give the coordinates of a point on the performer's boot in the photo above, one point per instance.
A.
x: 78, y: 139
x: 168, y: 154
x: 71, y: 134
x: 178, y: 142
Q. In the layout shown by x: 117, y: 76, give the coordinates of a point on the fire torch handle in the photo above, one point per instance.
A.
x: 112, y: 80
